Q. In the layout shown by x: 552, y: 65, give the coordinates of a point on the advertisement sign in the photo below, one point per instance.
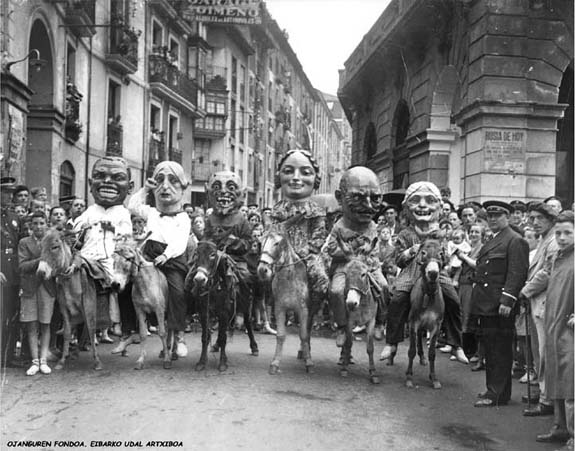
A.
x: 244, y: 12
x: 504, y: 150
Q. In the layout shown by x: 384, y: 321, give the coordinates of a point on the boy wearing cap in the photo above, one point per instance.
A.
x: 542, y: 217
x: 501, y: 271
x: 518, y: 214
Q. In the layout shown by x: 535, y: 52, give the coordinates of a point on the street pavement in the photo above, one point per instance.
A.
x: 247, y: 409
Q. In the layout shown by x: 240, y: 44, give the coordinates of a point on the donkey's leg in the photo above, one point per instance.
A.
x: 420, y: 348
x: 432, y: 341
x: 222, y: 340
x: 370, y: 331
x: 413, y: 332
x: 143, y: 336
x: 250, y: 331
x: 201, y: 365
x: 346, y: 351
x: 161, y: 316
x: 66, y: 336
x: 304, y: 338
x: 280, y: 337
x: 89, y: 307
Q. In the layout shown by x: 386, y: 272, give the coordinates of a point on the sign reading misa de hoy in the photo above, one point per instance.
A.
x: 504, y: 150
x: 245, y: 12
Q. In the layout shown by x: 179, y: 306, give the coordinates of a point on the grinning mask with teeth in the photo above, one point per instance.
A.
x: 225, y: 192
x: 423, y: 202
x: 110, y: 182
x: 359, y: 195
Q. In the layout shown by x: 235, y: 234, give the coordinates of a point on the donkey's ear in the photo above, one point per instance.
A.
x: 374, y: 243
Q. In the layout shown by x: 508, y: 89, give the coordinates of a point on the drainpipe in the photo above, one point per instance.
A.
x: 88, y: 120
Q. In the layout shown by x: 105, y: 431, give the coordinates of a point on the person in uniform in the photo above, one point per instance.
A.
x: 501, y: 271
x: 10, y: 227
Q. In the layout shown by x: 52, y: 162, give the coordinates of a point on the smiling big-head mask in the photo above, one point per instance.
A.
x: 225, y: 192
x: 110, y: 182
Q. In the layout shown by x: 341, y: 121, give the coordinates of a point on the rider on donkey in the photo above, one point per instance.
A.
x: 354, y: 235
x: 228, y: 227
x: 422, y: 203
x: 168, y: 233
x: 303, y: 219
x: 100, y: 226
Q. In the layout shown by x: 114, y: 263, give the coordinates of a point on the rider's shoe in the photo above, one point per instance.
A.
x: 460, y: 356
x: 388, y: 351
x: 181, y: 349
x: 268, y: 329
x: 340, y: 338
x: 446, y: 349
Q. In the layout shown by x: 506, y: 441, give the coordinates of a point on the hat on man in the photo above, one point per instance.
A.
x: 64, y: 199
x: 253, y: 205
x: 544, y: 209
x: 7, y: 183
x: 517, y: 205
x: 497, y: 207
x: 389, y: 207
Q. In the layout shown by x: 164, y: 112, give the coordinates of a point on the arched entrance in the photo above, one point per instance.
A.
x: 400, y: 130
x: 45, y: 121
x: 564, y: 147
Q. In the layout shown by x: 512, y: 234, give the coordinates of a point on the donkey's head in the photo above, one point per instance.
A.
x: 55, y: 256
x: 272, y: 248
x: 207, y: 259
x: 431, y: 258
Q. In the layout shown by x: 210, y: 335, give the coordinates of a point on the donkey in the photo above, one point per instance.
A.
x: 427, y: 308
x: 219, y: 293
x: 149, y: 294
x: 288, y: 275
x: 77, y: 293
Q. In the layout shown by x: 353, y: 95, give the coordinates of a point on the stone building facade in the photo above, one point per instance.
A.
x: 476, y: 95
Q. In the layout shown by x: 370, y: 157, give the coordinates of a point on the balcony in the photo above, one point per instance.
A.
x: 201, y: 171
x: 114, y: 141
x: 216, y: 78
x: 80, y: 16
x: 175, y: 155
x: 72, y: 126
x: 167, y: 82
x: 157, y: 148
x: 210, y: 127
x: 122, y: 53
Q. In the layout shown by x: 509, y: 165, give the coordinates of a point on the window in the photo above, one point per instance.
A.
x: 71, y: 64
x: 67, y: 179
x: 242, y: 124
x: 157, y: 37
x: 242, y: 83
x: 202, y: 150
x: 174, y: 52
x: 173, y: 132
x: 233, y: 118
x: 192, y: 63
x: 155, y: 118
x: 114, y: 99
x: 234, y: 75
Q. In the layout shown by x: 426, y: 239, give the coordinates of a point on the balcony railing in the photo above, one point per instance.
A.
x: 73, y: 126
x: 80, y: 16
x: 123, y: 50
x: 167, y: 81
x: 175, y: 155
x: 216, y: 77
x: 114, y: 142
x: 201, y: 171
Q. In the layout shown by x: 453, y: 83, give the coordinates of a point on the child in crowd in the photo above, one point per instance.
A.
x: 38, y: 295
x: 459, y: 243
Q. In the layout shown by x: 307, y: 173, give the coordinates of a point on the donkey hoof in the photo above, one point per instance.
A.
x: 423, y: 362
x: 139, y: 366
x: 59, y: 366
x: 200, y: 366
x: 436, y: 385
x: 255, y: 352
x: 409, y: 384
x: 300, y: 355
x: 374, y: 379
x: 167, y: 364
x: 223, y: 367
x: 343, y: 373
x: 310, y: 369
x: 98, y: 366
x: 161, y: 355
x: 274, y: 369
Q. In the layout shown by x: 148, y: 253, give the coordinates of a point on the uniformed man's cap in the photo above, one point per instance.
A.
x: 517, y: 205
x: 65, y: 199
x: 497, y: 207
x: 7, y: 183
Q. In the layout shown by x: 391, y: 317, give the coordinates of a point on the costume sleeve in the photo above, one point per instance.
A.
x: 318, y: 234
x: 178, y: 241
x: 243, y: 234
x: 137, y: 203
x: 539, y: 282
x: 401, y: 245
x: 517, y: 269
x: 124, y: 226
x: 334, y: 241
x: 27, y: 262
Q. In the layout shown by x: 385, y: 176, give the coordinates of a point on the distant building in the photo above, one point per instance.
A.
x: 476, y: 95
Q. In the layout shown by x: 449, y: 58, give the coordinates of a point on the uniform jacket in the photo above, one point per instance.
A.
x: 29, y: 251
x: 502, y: 265
x: 538, y: 276
x: 10, y: 228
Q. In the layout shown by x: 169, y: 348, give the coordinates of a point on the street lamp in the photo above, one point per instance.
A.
x: 36, y: 63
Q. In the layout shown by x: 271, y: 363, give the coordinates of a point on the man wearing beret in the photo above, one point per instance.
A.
x: 502, y: 265
x: 9, y: 278
x: 542, y: 217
